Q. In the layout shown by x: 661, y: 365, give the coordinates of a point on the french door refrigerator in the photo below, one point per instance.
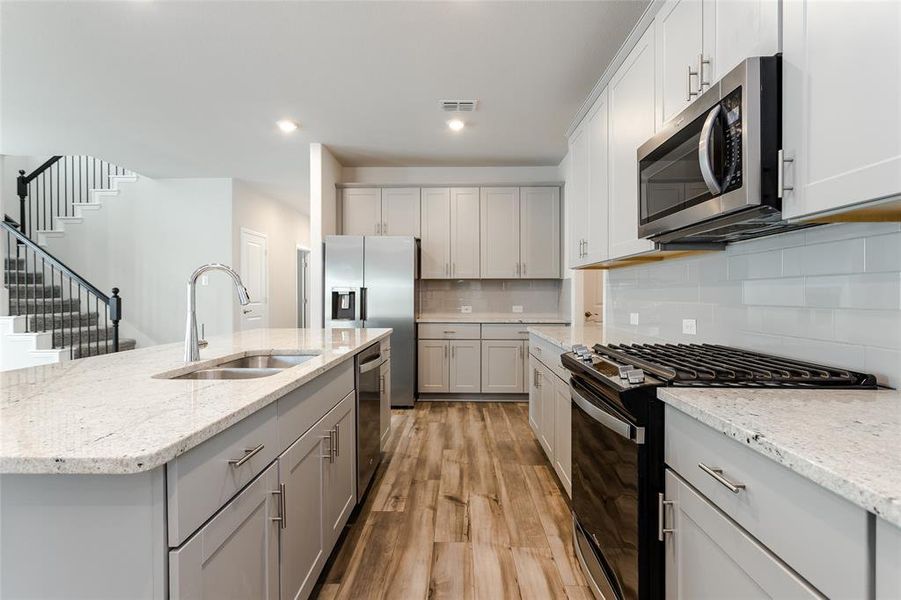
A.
x: 371, y: 281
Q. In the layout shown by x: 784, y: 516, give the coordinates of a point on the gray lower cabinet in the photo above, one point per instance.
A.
x: 502, y: 365
x: 384, y: 402
x: 465, y: 366
x: 709, y: 556
x: 236, y: 554
x: 340, y: 480
x: 433, y: 366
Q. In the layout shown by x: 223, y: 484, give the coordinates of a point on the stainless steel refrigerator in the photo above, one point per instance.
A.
x: 372, y: 281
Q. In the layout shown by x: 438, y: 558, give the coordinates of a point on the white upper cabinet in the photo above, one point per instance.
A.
x: 464, y: 235
x: 597, y: 212
x: 400, y: 211
x: 679, y: 46
x: 500, y: 232
x: 435, y: 248
x: 361, y: 211
x: 841, y: 97
x: 539, y: 232
x: 632, y: 110
x: 577, y: 195
x: 738, y: 29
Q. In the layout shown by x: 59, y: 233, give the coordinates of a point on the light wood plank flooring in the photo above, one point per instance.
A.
x: 465, y: 505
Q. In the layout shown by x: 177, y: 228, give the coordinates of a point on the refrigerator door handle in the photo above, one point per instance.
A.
x: 363, y: 309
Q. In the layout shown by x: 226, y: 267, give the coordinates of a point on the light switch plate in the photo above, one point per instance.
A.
x: 465, y: 309
x: 517, y: 308
x: 690, y: 326
x: 633, y: 318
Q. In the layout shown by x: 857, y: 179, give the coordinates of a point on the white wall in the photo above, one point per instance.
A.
x: 285, y: 228
x: 325, y: 172
x: 828, y: 294
x: 450, y: 175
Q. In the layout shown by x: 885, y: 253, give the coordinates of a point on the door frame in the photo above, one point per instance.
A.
x: 302, y: 312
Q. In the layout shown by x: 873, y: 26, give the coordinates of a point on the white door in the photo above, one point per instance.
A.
x: 709, y: 556
x: 435, y: 246
x: 679, y: 45
x: 738, y: 29
x: 597, y: 209
x: 500, y: 233
x: 340, y: 472
x: 631, y: 96
x: 303, y: 287
x: 465, y: 366
x: 841, y: 96
x: 539, y: 232
x: 236, y: 554
x: 255, y: 276
x: 464, y: 233
x: 433, y: 366
x: 502, y: 362
x: 577, y: 195
x: 361, y: 210
x: 400, y: 211
x: 563, y: 434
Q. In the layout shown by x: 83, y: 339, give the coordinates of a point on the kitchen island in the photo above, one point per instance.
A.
x: 117, y: 480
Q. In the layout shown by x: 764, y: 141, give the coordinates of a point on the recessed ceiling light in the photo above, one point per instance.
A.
x: 456, y: 124
x: 287, y: 125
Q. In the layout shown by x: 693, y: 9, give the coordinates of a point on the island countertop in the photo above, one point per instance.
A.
x: 110, y: 415
x: 843, y: 440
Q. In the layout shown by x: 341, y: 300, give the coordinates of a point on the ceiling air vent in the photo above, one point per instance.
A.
x: 458, y: 105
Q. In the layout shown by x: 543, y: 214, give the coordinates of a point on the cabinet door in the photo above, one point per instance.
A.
x: 361, y: 211
x: 679, y: 44
x: 500, y: 233
x: 385, y: 402
x: 534, y: 396
x: 340, y: 483
x: 709, y: 556
x: 502, y: 362
x: 400, y: 211
x: 464, y: 235
x: 546, y: 427
x: 235, y: 555
x: 304, y: 547
x: 465, y: 366
x: 736, y: 30
x: 435, y: 247
x: 433, y: 366
x: 563, y: 434
x: 841, y: 76
x: 576, y: 193
x: 597, y: 210
x: 539, y: 239
x: 631, y: 96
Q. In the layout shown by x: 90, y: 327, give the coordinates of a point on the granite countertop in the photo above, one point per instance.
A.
x: 489, y: 318
x: 846, y: 441
x: 566, y: 337
x: 110, y: 415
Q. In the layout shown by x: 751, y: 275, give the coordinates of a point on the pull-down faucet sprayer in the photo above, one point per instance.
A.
x: 192, y: 349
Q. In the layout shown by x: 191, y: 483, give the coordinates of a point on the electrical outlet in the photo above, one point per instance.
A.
x: 633, y: 318
x: 204, y: 280
x: 690, y: 326
x: 465, y: 309
x: 517, y: 308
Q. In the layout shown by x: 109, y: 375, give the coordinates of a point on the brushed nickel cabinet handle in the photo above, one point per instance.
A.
x: 338, y: 439
x: 661, y: 516
x: 282, y: 505
x: 717, y: 474
x: 330, y: 456
x: 248, y: 454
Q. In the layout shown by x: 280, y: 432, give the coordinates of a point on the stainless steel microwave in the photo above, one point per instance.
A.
x: 712, y: 173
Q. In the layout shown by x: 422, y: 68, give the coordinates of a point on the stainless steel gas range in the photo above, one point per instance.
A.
x: 617, y: 446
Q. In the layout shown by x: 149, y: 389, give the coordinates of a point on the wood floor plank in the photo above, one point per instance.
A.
x: 528, y: 448
x: 410, y: 566
x: 578, y: 592
x: 550, y: 505
x: 486, y: 521
x: 366, y: 575
x: 537, y: 574
x: 452, y: 572
x: 452, y: 512
x: 523, y: 521
x: 428, y: 467
x: 494, y: 572
x: 566, y: 561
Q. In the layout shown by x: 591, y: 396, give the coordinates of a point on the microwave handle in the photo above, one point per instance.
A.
x: 704, y: 149
x: 626, y: 430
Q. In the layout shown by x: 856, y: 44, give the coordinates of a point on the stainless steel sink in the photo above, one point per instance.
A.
x: 249, y: 367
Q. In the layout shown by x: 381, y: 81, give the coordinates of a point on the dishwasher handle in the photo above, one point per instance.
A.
x: 373, y: 363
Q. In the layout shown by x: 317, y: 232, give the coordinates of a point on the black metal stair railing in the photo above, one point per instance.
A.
x: 56, y: 187
x: 53, y: 298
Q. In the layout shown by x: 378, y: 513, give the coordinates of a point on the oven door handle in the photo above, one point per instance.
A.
x: 705, y: 145
x: 618, y: 426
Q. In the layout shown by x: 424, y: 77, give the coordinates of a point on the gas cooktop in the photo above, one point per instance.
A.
x: 710, y: 365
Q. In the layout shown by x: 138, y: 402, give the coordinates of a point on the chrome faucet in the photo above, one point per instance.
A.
x: 192, y: 347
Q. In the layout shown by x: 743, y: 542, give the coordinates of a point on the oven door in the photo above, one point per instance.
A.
x: 605, y: 476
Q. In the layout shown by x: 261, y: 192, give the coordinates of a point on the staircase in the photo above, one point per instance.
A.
x: 54, y: 313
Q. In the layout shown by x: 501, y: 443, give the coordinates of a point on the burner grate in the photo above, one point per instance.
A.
x: 715, y: 365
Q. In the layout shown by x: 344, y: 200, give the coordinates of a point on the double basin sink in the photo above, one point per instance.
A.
x: 249, y: 367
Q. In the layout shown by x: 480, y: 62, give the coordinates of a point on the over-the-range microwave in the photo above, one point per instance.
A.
x: 712, y: 174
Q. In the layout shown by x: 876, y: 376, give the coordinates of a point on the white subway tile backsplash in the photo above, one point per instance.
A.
x: 869, y: 327
x: 774, y: 292
x: 870, y: 290
x: 884, y: 253
x: 845, y: 256
x: 885, y: 364
x: 842, y: 231
x: 759, y: 265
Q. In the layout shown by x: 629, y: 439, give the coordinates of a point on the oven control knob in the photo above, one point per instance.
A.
x: 624, y: 371
x: 635, y: 376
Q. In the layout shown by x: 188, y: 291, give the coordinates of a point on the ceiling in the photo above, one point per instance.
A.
x: 193, y: 89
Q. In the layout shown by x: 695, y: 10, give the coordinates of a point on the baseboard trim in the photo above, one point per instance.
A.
x: 473, y: 398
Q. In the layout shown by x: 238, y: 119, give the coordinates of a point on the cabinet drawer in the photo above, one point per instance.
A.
x: 820, y: 535
x: 449, y: 331
x: 202, y: 479
x: 549, y: 355
x: 300, y: 409
x: 504, y: 331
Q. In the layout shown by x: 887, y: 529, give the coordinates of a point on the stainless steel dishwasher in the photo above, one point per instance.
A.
x: 368, y: 363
